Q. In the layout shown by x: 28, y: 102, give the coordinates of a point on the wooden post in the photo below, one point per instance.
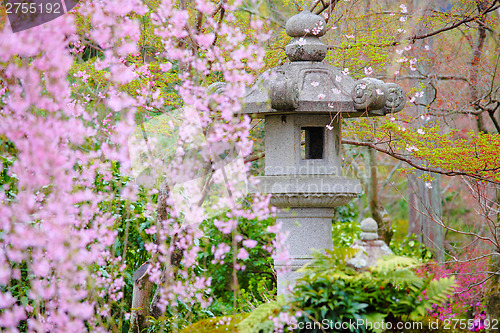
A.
x: 140, y: 298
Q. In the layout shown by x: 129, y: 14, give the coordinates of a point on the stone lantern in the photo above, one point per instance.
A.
x: 370, y: 248
x: 303, y: 103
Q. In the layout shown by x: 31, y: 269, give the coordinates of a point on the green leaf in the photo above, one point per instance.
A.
x: 375, y: 317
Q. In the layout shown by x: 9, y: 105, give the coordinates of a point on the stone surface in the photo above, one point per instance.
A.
x: 309, y: 191
x: 369, y: 225
x: 310, y: 229
x: 304, y: 24
x: 284, y: 149
x: 301, y: 87
x: 369, y: 253
x: 306, y: 28
x: 306, y: 49
x: 370, y: 248
x: 314, y: 87
x: 312, y: 199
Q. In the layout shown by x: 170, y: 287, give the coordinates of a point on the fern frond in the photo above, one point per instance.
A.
x: 436, y: 292
x: 392, y: 263
x: 400, y: 277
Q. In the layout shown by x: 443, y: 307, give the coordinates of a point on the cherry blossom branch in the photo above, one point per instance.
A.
x: 478, y: 283
x: 254, y: 157
x: 457, y: 24
x: 458, y: 261
x: 431, y: 76
x: 430, y: 34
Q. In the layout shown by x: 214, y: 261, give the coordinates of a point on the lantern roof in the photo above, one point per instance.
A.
x: 307, y: 85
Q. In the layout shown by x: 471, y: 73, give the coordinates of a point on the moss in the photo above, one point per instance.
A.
x: 255, y: 322
x: 216, y: 325
x: 258, y: 321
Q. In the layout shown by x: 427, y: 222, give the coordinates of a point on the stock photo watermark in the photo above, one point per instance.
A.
x: 363, y: 324
x: 196, y: 171
x: 26, y: 14
x: 355, y: 325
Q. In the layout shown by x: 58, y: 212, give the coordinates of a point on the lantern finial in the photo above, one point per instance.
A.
x: 306, y: 28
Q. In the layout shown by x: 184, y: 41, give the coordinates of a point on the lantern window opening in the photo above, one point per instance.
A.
x: 312, y: 142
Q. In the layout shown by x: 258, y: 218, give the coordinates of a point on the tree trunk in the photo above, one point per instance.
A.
x: 493, y: 288
x: 474, y: 70
x: 414, y: 225
x: 384, y: 223
x: 425, y: 211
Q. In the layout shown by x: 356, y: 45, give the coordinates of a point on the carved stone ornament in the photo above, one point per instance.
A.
x: 396, y: 98
x: 371, y: 94
x: 311, y: 199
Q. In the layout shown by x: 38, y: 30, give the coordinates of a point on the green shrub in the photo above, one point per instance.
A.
x: 257, y: 283
x: 329, y: 291
x: 345, y: 225
x: 410, y: 247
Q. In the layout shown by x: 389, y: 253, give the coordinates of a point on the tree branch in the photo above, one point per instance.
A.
x: 491, y: 8
x: 433, y: 33
x: 419, y: 167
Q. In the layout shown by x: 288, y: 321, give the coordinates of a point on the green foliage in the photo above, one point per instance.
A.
x: 345, y: 226
x: 347, y: 213
x: 130, y: 224
x: 8, y: 181
x: 255, y: 294
x: 275, y: 53
x: 19, y: 288
x: 344, y: 233
x: 390, y: 291
x: 346, y: 229
x: 181, y: 316
x: 257, y: 282
x: 411, y: 247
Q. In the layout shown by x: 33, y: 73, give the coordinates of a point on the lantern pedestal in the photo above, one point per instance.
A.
x: 306, y: 207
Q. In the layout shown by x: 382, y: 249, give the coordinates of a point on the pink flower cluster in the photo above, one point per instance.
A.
x: 57, y: 241
x: 468, y: 294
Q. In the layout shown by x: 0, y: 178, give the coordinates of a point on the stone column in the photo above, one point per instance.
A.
x: 310, y: 229
x: 305, y: 208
